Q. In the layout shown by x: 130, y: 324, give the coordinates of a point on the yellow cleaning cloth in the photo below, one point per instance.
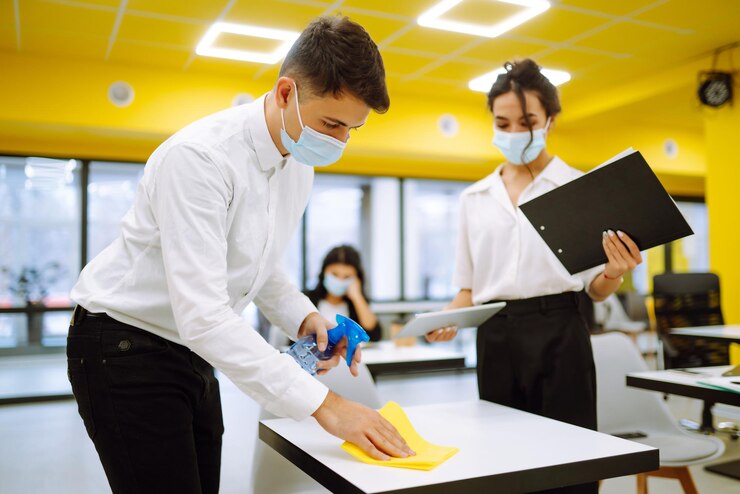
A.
x: 428, y: 456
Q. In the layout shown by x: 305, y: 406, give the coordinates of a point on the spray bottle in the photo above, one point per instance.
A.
x: 306, y: 352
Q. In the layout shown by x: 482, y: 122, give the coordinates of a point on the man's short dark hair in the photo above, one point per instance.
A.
x: 335, y: 55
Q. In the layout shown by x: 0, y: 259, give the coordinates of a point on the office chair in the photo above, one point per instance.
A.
x: 688, y: 299
x: 683, y: 300
x: 624, y: 410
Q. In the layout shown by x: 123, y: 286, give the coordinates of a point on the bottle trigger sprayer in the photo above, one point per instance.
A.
x: 306, y: 352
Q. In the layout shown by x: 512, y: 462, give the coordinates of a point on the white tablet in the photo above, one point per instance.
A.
x: 467, y: 317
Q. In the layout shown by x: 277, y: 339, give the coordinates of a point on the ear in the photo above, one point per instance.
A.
x: 284, y: 88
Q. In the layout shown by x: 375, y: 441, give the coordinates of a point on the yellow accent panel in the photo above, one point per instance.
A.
x: 67, y: 45
x: 161, y: 31
x: 131, y: 52
x: 277, y: 15
x: 410, y: 9
x: 499, y: 50
x: 723, y: 203
x: 454, y: 70
x: 433, y: 40
x: 197, y: 9
x: 41, y: 16
x: 621, y: 7
x: 549, y: 25
x: 378, y: 29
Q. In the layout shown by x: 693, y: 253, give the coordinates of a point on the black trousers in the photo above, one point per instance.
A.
x: 535, y: 355
x: 151, y: 407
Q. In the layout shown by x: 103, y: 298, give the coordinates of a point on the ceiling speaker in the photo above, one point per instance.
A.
x: 715, y: 88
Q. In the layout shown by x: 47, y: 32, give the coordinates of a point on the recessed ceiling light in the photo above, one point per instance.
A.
x: 484, y: 82
x: 206, y: 48
x: 431, y: 18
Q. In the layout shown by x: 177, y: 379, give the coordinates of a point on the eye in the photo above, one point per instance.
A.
x: 329, y: 125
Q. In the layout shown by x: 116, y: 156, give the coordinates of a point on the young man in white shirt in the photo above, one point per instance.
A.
x: 159, y: 308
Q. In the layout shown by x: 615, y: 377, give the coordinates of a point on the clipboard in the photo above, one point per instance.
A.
x: 467, y: 317
x: 622, y: 194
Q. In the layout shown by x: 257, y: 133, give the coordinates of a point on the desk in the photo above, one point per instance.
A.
x: 501, y: 450
x: 384, y: 357
x: 686, y: 384
x: 728, y: 333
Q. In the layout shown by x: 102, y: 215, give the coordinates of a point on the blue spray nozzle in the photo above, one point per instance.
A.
x: 354, y: 333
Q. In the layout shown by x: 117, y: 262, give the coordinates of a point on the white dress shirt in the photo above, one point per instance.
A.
x: 213, y: 214
x: 500, y: 256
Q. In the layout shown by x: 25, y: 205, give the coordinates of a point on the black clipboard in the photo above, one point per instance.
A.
x: 621, y: 195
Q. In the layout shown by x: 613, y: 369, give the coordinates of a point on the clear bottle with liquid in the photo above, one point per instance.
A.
x: 306, y: 351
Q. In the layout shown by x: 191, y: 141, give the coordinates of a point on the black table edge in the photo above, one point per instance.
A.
x: 698, y: 392
x: 523, y: 480
x: 454, y: 363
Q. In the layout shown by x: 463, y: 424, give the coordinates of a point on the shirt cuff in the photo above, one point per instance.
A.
x: 304, y: 396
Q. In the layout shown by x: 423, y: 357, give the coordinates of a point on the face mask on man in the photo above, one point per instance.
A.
x: 312, y: 148
x: 335, y: 286
x: 512, y: 144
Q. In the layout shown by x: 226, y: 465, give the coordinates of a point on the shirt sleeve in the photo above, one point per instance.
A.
x: 282, y: 303
x: 190, y: 199
x: 589, y: 275
x: 463, y: 277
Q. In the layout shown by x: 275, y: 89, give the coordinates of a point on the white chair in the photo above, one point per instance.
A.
x: 611, y: 316
x: 272, y: 473
x: 623, y: 410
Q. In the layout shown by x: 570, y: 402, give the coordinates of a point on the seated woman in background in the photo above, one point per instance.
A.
x: 340, y: 290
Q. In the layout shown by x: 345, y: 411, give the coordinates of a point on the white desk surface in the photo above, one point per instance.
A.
x: 683, y: 383
x: 727, y: 332
x: 386, y: 352
x: 500, y: 449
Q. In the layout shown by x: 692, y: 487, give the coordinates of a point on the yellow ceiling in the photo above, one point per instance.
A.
x: 602, y: 43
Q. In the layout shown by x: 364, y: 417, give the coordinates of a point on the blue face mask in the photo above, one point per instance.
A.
x: 335, y: 286
x: 313, y: 148
x: 512, y: 144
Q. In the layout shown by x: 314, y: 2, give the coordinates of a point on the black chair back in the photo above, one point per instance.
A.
x: 684, y: 300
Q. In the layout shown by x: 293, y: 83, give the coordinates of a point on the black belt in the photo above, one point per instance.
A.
x: 567, y: 300
x: 81, y: 313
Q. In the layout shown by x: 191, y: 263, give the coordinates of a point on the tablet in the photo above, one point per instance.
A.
x: 467, y: 317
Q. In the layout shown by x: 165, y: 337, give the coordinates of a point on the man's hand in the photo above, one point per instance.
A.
x: 315, y: 323
x: 361, y: 426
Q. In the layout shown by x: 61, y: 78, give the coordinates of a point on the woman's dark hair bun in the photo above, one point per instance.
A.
x: 525, y: 75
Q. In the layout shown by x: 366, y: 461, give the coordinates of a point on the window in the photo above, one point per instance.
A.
x: 111, y: 190
x: 362, y: 212
x: 430, y: 237
x: 40, y: 226
x: 692, y: 253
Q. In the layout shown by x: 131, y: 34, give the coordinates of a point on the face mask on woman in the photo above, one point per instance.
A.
x: 513, y: 145
x: 335, y: 286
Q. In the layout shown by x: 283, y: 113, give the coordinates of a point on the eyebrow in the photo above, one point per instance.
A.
x: 530, y: 115
x: 335, y: 121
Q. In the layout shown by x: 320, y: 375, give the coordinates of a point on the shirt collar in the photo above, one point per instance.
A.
x: 268, y: 155
x: 556, y: 172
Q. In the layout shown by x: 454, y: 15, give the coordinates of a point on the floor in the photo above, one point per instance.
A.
x: 44, y: 448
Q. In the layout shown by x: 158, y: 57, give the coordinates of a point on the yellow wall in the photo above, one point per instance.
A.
x: 60, y: 108
x: 722, y: 128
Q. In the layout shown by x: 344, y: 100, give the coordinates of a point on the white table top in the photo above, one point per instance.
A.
x: 726, y: 332
x: 386, y: 352
x: 500, y: 448
x: 685, y: 382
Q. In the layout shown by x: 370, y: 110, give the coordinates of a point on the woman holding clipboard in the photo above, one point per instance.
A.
x: 535, y: 354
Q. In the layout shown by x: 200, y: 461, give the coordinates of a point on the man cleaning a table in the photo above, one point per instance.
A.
x: 159, y: 308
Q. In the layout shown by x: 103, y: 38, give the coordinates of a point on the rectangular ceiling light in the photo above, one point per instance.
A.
x: 432, y: 18
x: 206, y: 48
x: 484, y: 82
